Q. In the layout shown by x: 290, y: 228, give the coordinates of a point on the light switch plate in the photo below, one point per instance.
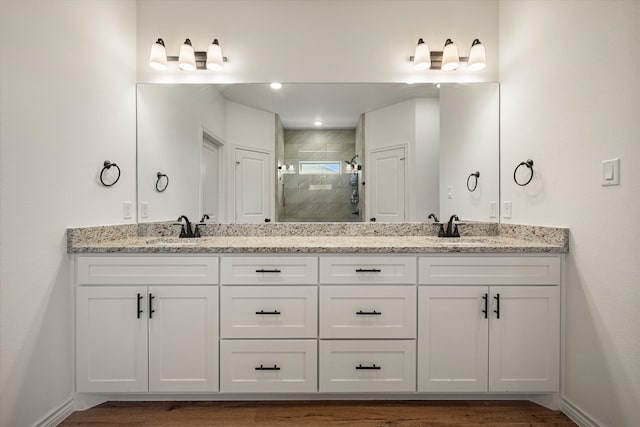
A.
x: 127, y: 208
x: 611, y: 172
x: 144, y: 209
x: 493, y: 209
x: 506, y: 210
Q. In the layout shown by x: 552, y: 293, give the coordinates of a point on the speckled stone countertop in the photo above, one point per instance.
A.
x: 319, y: 238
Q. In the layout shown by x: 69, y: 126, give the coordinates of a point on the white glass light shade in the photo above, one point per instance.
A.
x: 187, y: 57
x: 215, y: 61
x: 477, y: 56
x: 422, y: 57
x: 450, y: 57
x: 158, y: 56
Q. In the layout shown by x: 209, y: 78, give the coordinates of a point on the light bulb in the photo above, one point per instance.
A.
x: 187, y: 57
x: 477, y: 56
x: 422, y: 57
x: 276, y: 85
x: 158, y: 56
x: 450, y: 57
x: 215, y: 62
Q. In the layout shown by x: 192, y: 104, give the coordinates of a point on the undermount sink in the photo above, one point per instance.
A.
x: 172, y: 241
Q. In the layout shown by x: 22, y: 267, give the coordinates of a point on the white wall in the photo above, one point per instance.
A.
x: 316, y: 40
x: 470, y: 142
x: 171, y: 119
x: 252, y: 129
x: 415, y: 125
x: 67, y: 85
x: 570, y: 97
x: 427, y: 169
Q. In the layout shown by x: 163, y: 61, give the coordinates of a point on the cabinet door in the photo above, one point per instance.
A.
x: 452, y: 339
x: 111, y: 339
x: 183, y: 338
x: 524, y: 341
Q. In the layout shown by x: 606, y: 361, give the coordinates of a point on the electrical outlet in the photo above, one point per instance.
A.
x: 506, y: 210
x: 449, y: 193
x: 493, y: 209
x: 144, y: 209
x: 127, y: 209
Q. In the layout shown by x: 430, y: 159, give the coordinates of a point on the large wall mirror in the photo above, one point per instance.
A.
x: 386, y: 152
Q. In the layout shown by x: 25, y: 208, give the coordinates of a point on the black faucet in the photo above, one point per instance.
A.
x: 435, y: 219
x: 452, y: 229
x: 188, y: 231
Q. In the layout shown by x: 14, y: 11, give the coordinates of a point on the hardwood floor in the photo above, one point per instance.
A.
x: 321, y: 413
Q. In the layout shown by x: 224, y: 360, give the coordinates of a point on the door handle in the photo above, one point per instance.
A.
x: 485, y: 297
x: 497, y: 310
x: 139, y: 310
x: 151, y: 310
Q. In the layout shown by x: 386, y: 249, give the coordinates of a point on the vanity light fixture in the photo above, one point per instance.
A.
x: 276, y: 85
x: 317, y: 123
x: 422, y: 58
x: 188, y: 59
x: 477, y: 56
x: 215, y: 61
x: 450, y: 57
x: 158, y: 56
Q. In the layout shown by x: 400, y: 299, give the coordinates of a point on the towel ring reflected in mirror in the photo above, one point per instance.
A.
x: 473, y: 187
x: 159, y: 187
x: 529, y: 164
x: 108, y: 165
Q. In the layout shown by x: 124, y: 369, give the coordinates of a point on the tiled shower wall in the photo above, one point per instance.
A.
x: 300, y: 204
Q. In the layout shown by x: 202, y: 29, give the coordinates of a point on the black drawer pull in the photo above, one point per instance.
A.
x: 268, y: 312
x: 372, y: 367
x: 369, y: 313
x: 151, y: 310
x: 485, y: 297
x: 262, y: 270
x: 139, y: 309
x: 368, y: 270
x: 497, y: 311
x: 267, y: 368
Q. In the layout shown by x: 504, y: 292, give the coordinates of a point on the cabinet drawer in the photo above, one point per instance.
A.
x: 269, y: 312
x: 367, y: 366
x: 489, y: 270
x: 368, y: 270
x: 147, y: 270
x: 368, y: 312
x: 258, y: 366
x: 269, y: 270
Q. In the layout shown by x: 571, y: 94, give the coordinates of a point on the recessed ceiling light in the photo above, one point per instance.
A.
x: 276, y: 85
x: 317, y: 123
x: 438, y: 85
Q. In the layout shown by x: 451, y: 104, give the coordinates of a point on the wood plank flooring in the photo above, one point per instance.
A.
x: 321, y: 413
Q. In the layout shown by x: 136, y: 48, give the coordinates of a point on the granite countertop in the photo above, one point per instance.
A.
x: 319, y: 244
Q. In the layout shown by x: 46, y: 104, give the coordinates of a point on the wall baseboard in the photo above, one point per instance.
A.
x: 57, y: 415
x: 577, y: 415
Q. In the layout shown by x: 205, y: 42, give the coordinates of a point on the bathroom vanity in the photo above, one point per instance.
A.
x: 239, y: 315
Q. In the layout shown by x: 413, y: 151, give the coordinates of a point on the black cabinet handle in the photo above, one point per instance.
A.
x: 267, y: 368
x: 275, y: 270
x: 372, y: 367
x: 369, y: 313
x: 497, y: 310
x: 485, y: 297
x: 368, y: 270
x: 268, y: 312
x: 151, y: 310
x: 139, y: 310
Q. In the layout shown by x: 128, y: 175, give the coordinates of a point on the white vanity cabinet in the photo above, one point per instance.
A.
x: 503, y: 338
x: 367, y: 324
x: 269, y: 324
x: 136, y: 333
